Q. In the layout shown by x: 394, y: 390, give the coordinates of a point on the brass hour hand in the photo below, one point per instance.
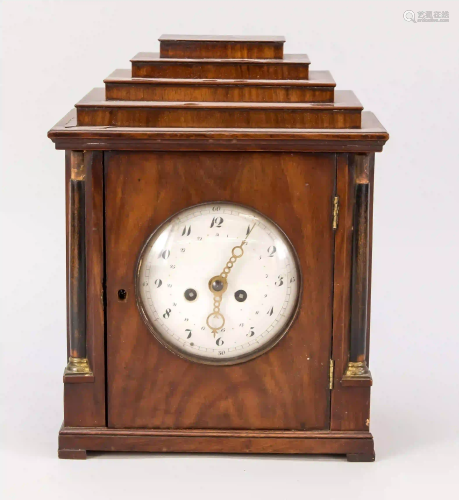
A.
x: 216, y: 321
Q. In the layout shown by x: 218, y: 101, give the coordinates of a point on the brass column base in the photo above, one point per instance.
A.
x: 358, y: 372
x: 77, y: 366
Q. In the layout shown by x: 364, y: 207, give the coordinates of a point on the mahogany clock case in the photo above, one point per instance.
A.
x: 123, y: 390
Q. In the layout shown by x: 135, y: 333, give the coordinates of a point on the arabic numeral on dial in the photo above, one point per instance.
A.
x: 257, y: 312
x: 280, y: 282
x: 158, y: 283
x: 241, y: 324
x: 216, y: 222
x: 167, y: 313
x: 251, y: 332
x: 182, y: 250
x: 165, y: 254
x: 175, y: 304
x: 169, y: 285
x: 145, y: 283
x: 216, y: 209
x: 271, y: 311
x: 221, y: 353
x: 186, y: 231
x: 172, y: 266
x: 271, y: 251
x: 186, y: 319
x: 292, y: 279
x: 223, y: 330
x: 203, y: 327
x: 199, y: 238
x: 220, y: 342
x: 189, y: 333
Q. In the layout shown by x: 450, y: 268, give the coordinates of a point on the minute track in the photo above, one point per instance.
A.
x: 186, y: 249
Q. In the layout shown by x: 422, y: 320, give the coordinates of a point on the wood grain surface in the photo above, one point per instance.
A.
x: 286, y: 388
x: 73, y: 442
x: 227, y: 93
x: 350, y: 406
x: 227, y: 47
x: 120, y: 85
x: 67, y: 135
x: 291, y: 67
x: 84, y: 403
x: 345, y: 112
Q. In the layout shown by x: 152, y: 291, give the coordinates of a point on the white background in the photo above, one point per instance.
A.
x: 55, y: 52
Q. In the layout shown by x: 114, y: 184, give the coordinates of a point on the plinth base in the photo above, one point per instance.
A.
x: 75, y: 441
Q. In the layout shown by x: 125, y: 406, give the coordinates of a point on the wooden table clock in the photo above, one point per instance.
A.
x: 219, y: 221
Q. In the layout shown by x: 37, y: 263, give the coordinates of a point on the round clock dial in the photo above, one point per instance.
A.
x: 218, y: 283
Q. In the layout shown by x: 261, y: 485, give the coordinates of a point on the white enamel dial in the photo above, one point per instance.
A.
x: 211, y: 302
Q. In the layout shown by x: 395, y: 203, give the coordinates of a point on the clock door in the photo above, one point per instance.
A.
x: 285, y: 385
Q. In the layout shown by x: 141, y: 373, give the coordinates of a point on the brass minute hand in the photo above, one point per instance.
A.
x: 219, y: 284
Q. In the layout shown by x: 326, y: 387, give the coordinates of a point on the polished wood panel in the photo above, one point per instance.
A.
x: 205, y: 433
x: 350, y: 406
x: 224, y: 93
x: 357, y: 447
x: 370, y: 137
x: 121, y: 86
x: 168, y: 116
x: 148, y: 386
x: 84, y: 403
x: 227, y: 47
x: 291, y: 67
x: 94, y: 110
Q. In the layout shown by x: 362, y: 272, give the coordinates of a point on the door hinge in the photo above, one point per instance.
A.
x: 335, y: 212
x: 331, y: 374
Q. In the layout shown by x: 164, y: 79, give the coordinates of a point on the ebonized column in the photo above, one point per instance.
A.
x: 76, y: 328
x: 357, y: 369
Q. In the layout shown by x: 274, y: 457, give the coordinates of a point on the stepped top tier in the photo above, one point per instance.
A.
x: 234, y: 92
x: 226, y: 47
